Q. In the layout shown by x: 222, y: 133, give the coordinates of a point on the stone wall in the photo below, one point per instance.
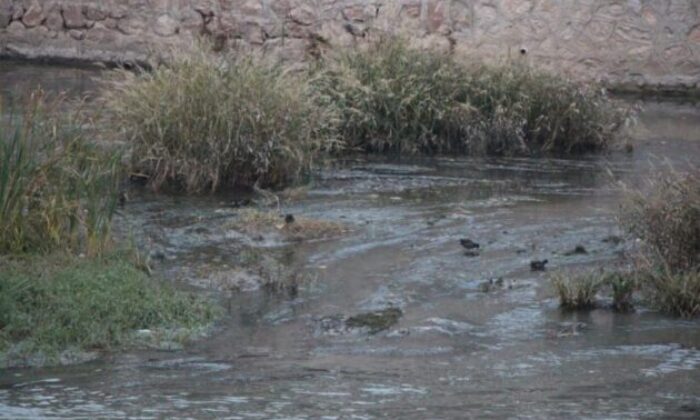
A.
x: 638, y: 42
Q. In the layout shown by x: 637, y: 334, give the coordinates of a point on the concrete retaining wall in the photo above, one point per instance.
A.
x: 634, y: 42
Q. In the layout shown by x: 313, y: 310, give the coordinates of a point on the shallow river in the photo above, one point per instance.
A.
x: 457, y: 351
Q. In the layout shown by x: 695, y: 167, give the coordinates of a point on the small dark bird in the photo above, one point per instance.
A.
x: 468, y: 244
x: 288, y: 219
x: 123, y: 198
x: 536, y: 265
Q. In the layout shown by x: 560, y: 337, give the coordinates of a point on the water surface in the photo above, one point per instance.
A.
x: 456, y: 352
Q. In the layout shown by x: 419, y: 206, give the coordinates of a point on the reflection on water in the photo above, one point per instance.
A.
x: 458, y: 350
x: 18, y: 79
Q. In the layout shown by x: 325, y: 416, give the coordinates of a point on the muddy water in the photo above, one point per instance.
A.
x: 459, y: 350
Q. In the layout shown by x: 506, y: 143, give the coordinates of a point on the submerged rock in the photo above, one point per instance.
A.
x: 368, y: 322
x: 578, y: 250
x: 375, y: 321
x: 491, y: 285
x: 568, y: 329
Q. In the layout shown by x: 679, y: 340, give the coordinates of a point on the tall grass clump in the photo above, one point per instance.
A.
x: 521, y: 110
x: 395, y: 99
x: 677, y: 293
x: 665, y: 216
x: 56, y: 189
x: 202, y: 122
x: 577, y: 291
x: 622, y: 286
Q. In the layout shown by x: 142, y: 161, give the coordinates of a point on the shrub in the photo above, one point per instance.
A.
x: 577, y: 291
x: 666, y: 217
x: 623, y: 286
x: 521, y: 110
x: 51, y: 303
x: 394, y: 99
x: 206, y: 123
x: 675, y: 293
x: 56, y: 190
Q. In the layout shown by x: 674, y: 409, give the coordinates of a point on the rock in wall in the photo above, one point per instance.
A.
x: 638, y: 42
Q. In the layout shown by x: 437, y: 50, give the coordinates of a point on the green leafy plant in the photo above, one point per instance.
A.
x: 50, y: 303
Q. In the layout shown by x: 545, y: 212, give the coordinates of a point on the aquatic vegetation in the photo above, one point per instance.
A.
x: 202, y: 122
x: 253, y: 221
x: 285, y: 282
x: 56, y: 189
x: 665, y: 216
x: 577, y: 291
x: 375, y: 321
x: 623, y: 286
x: 675, y: 293
x: 395, y: 99
x: 50, y: 303
x: 521, y: 110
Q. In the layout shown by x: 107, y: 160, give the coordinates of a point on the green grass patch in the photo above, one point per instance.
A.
x: 52, y: 303
x: 399, y: 100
